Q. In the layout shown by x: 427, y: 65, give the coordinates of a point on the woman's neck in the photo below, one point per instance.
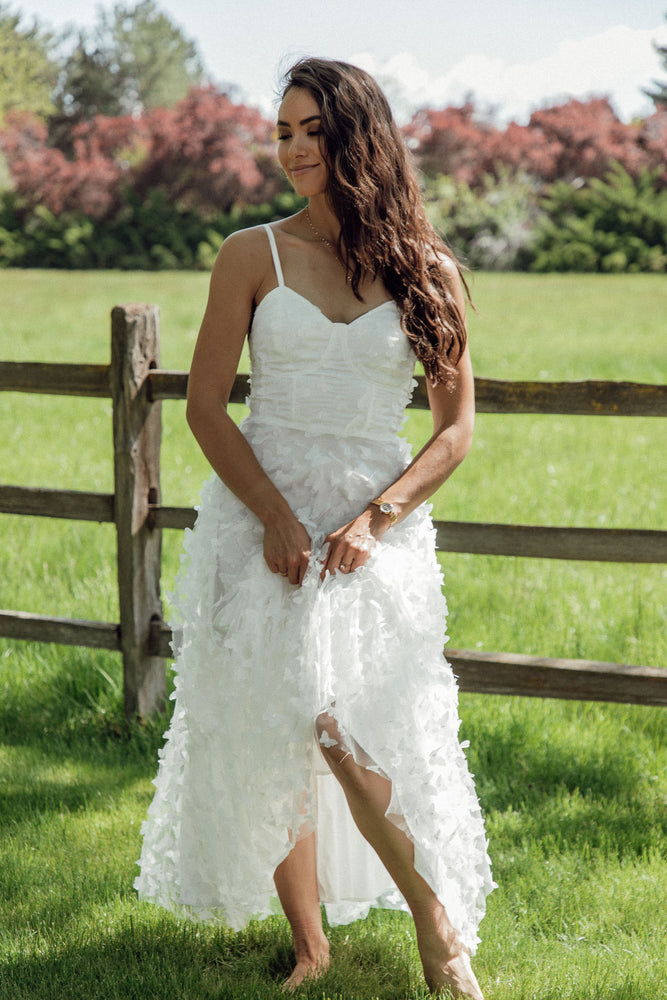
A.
x: 323, y: 219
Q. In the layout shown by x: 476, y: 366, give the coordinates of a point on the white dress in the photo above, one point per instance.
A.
x: 257, y: 659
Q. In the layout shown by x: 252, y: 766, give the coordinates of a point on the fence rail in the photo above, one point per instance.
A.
x: 137, y: 385
x: 65, y: 631
x: 631, y: 545
x: 587, y: 398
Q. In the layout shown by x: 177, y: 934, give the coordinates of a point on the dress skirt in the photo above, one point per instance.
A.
x: 241, y: 775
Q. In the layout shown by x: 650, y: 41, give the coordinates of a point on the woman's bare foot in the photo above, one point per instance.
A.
x: 455, y: 976
x: 446, y: 962
x: 311, y: 963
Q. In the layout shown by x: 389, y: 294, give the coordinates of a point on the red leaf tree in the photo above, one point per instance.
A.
x: 451, y: 141
x: 209, y: 154
x: 205, y: 153
x: 44, y: 176
x: 572, y: 140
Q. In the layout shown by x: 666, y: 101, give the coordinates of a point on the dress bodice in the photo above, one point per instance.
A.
x: 312, y: 374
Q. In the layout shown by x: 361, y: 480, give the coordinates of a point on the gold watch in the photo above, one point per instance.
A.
x: 386, y: 508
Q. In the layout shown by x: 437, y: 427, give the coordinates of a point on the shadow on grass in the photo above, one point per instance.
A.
x: 68, y: 700
x: 65, y: 745
x: 22, y: 803
x: 185, y: 962
x: 566, y: 778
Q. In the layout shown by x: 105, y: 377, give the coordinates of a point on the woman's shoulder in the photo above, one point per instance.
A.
x: 256, y: 238
x: 451, y: 273
x: 243, y: 258
x: 448, y: 267
x: 450, y: 276
x: 443, y: 260
x: 245, y: 244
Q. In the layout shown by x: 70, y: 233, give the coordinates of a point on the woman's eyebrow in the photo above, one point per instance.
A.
x: 304, y: 121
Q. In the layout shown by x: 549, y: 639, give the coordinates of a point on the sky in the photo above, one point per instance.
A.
x: 510, y: 55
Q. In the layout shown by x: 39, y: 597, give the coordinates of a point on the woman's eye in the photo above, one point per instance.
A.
x: 287, y: 135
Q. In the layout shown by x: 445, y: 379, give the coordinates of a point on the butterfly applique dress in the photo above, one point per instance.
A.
x: 258, y: 659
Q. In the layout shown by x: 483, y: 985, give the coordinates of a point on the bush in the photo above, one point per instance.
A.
x: 145, y: 235
x: 613, y: 225
x: 491, y: 227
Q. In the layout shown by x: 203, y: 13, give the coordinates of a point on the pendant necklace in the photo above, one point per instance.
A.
x: 327, y: 243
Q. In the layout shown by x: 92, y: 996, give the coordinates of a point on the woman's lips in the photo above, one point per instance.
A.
x: 304, y: 168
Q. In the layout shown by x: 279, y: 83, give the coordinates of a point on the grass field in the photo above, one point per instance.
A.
x: 573, y: 792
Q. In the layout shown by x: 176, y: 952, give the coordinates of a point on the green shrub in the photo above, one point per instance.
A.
x: 144, y: 235
x: 491, y: 226
x: 615, y: 225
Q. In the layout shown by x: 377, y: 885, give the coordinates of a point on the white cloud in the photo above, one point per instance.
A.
x: 617, y: 62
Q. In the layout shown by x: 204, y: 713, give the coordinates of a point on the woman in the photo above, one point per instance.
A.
x: 311, y: 686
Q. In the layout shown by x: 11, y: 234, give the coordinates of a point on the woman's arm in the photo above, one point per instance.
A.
x: 238, y: 274
x: 453, y: 411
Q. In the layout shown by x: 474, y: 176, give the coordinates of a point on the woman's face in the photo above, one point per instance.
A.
x: 300, y: 149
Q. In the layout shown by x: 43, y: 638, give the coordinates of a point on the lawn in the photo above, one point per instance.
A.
x: 573, y: 792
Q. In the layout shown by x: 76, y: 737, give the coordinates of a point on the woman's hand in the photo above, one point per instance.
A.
x: 350, y: 546
x: 287, y: 548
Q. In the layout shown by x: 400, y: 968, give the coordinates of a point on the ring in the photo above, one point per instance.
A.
x: 343, y: 566
x: 283, y: 572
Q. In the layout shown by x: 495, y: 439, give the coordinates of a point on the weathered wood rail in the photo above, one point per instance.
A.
x: 136, y: 385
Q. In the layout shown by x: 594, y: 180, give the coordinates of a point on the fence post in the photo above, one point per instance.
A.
x: 137, y: 431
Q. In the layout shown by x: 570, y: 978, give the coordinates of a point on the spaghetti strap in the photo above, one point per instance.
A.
x: 274, y: 254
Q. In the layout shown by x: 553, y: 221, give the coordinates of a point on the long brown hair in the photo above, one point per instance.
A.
x: 373, y: 191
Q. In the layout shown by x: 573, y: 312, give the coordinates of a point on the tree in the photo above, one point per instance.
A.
x: 156, y: 63
x: 660, y: 95
x: 208, y: 153
x: 653, y: 140
x: 570, y: 141
x: 450, y: 141
x: 27, y: 71
x: 133, y: 60
x: 205, y: 154
x: 43, y: 176
x: 574, y: 140
x: 88, y: 85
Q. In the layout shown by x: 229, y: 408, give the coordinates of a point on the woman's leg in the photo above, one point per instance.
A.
x: 296, y: 882
x: 445, y: 960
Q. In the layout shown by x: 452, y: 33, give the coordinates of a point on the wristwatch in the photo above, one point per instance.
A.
x: 386, y: 508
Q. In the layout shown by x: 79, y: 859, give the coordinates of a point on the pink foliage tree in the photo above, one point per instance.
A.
x: 577, y: 139
x: 205, y: 152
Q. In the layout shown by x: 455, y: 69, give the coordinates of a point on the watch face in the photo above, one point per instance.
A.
x: 386, y: 508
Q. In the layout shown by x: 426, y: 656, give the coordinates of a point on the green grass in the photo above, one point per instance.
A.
x: 573, y: 792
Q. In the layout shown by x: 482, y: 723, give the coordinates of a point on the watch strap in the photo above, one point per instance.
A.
x: 386, y: 508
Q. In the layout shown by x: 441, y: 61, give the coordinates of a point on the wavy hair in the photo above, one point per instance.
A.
x: 372, y: 189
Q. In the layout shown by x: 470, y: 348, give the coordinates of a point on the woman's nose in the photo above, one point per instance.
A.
x: 297, y: 145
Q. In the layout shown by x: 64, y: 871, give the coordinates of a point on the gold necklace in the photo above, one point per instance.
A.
x: 327, y: 243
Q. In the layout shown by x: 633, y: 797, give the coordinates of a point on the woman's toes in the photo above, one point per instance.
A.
x: 455, y: 975
x: 306, y: 970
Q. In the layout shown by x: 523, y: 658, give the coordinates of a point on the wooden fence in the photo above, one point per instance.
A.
x: 137, y: 385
